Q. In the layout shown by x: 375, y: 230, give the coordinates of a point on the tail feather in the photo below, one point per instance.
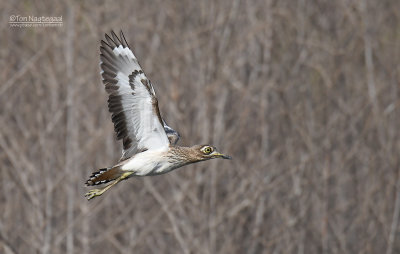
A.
x: 104, y: 175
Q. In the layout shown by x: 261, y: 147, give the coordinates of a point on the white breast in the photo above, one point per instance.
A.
x: 151, y: 162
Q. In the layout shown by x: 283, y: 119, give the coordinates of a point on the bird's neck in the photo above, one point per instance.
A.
x: 182, y: 155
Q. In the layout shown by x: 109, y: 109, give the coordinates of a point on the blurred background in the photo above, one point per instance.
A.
x: 304, y: 95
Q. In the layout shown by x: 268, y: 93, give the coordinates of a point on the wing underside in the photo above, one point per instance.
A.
x: 132, y: 100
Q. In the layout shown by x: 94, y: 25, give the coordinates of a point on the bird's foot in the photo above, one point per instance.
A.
x: 94, y: 193
x: 98, y: 192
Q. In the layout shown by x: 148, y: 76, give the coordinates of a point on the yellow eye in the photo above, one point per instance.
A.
x: 207, y: 150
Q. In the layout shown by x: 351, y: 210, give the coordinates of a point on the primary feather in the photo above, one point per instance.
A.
x: 132, y: 100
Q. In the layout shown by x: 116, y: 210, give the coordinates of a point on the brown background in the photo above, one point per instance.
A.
x: 303, y: 94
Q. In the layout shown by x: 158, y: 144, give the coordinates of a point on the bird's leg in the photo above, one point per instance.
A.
x: 98, y: 192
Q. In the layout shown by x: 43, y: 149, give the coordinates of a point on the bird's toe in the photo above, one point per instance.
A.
x: 93, y: 193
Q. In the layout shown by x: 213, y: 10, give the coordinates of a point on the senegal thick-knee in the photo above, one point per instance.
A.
x: 149, y: 144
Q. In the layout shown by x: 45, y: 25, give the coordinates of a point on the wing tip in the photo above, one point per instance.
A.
x: 114, y: 41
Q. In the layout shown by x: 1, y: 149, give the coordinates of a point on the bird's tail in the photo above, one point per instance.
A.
x: 104, y: 175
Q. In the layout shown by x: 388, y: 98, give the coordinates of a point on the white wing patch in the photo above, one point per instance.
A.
x: 124, y: 51
x: 132, y: 100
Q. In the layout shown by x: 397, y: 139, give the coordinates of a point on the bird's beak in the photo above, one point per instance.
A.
x: 223, y: 156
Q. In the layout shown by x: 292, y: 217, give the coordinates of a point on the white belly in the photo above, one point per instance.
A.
x: 150, y: 162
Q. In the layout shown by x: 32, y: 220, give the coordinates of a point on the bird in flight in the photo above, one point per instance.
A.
x: 149, y: 144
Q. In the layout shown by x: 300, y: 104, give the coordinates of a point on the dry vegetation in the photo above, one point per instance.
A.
x: 304, y: 95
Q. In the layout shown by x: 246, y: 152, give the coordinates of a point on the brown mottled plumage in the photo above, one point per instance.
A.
x: 186, y: 155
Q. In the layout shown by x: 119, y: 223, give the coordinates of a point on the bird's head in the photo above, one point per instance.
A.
x: 206, y: 152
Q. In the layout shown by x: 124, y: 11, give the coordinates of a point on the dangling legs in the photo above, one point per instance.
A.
x: 98, y: 192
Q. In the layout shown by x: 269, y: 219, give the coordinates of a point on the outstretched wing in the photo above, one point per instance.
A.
x: 132, y: 100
